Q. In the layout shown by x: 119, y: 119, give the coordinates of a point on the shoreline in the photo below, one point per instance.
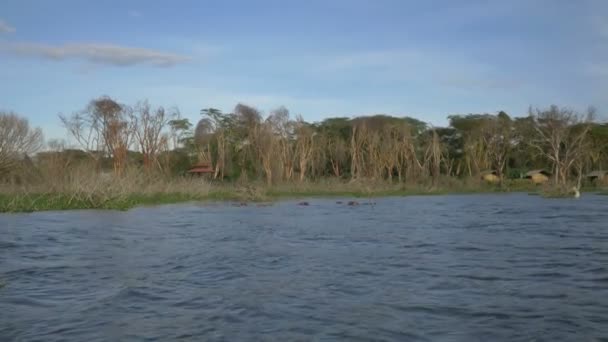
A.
x: 60, y: 201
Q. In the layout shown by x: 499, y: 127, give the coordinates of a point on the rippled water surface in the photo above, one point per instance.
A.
x: 441, y: 268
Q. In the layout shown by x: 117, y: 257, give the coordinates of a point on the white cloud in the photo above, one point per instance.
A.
x: 6, y: 27
x: 107, y: 54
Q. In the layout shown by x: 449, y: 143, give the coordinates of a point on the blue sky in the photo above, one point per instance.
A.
x: 425, y: 59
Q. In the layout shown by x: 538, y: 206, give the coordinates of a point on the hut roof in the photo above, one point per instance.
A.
x: 597, y: 173
x: 201, y: 168
x: 536, y: 172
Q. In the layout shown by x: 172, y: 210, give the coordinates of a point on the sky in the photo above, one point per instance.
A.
x: 319, y: 58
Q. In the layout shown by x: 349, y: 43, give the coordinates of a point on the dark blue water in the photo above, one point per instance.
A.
x: 441, y: 268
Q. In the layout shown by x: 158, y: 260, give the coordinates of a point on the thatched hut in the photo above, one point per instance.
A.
x: 538, y: 176
x: 490, y: 176
x: 599, y: 176
x: 201, y: 169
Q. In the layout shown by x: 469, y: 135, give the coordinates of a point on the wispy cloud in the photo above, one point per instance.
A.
x: 104, y: 54
x: 5, y: 27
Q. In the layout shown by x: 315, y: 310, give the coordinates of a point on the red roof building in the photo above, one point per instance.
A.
x: 201, y: 169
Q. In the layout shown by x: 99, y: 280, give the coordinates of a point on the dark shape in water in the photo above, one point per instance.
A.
x: 339, y: 202
x: 304, y: 203
x: 353, y: 203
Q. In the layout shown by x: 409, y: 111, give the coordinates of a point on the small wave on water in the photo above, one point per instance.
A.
x: 441, y: 268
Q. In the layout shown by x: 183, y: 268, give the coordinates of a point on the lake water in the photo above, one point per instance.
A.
x: 506, y: 267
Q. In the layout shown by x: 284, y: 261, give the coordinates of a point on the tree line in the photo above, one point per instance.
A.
x: 279, y: 147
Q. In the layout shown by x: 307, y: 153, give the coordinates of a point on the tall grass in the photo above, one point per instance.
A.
x: 81, y: 188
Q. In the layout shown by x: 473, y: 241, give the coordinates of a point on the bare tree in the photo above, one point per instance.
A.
x: 497, y: 137
x: 220, y: 127
x: 357, y: 143
x: 433, y: 156
x: 283, y: 129
x: 148, y: 129
x: 17, y: 139
x: 409, y: 166
x: 102, y: 129
x: 180, y: 130
x: 337, y: 153
x: 304, y: 146
x: 247, y: 120
x: 561, y: 136
x: 265, y: 147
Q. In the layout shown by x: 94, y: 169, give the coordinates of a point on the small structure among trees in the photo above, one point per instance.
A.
x: 490, y: 176
x: 599, y: 176
x: 562, y: 145
x: 538, y: 176
x: 201, y: 169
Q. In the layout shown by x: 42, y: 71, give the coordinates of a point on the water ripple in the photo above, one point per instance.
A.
x: 442, y: 268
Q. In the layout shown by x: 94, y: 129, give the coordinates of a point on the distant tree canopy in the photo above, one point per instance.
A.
x: 17, y: 140
x: 282, y: 148
x: 246, y: 144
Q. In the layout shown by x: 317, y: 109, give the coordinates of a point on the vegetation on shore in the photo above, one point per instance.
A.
x: 40, y: 201
x: 129, y: 192
x: 118, y: 156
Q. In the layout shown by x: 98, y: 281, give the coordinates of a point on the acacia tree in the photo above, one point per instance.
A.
x: 148, y: 128
x: 179, y: 131
x: 216, y: 128
x: 452, y: 153
x: 561, y: 136
x: 337, y: 153
x: 497, y: 137
x: 471, y: 128
x: 246, y: 121
x: 409, y: 166
x: 598, y: 146
x: 102, y: 129
x: 335, y: 135
x: 17, y: 139
x: 305, y: 146
x: 433, y: 156
x: 357, y: 143
x: 265, y: 148
x: 283, y: 130
x: 203, y: 135
x: 117, y: 131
